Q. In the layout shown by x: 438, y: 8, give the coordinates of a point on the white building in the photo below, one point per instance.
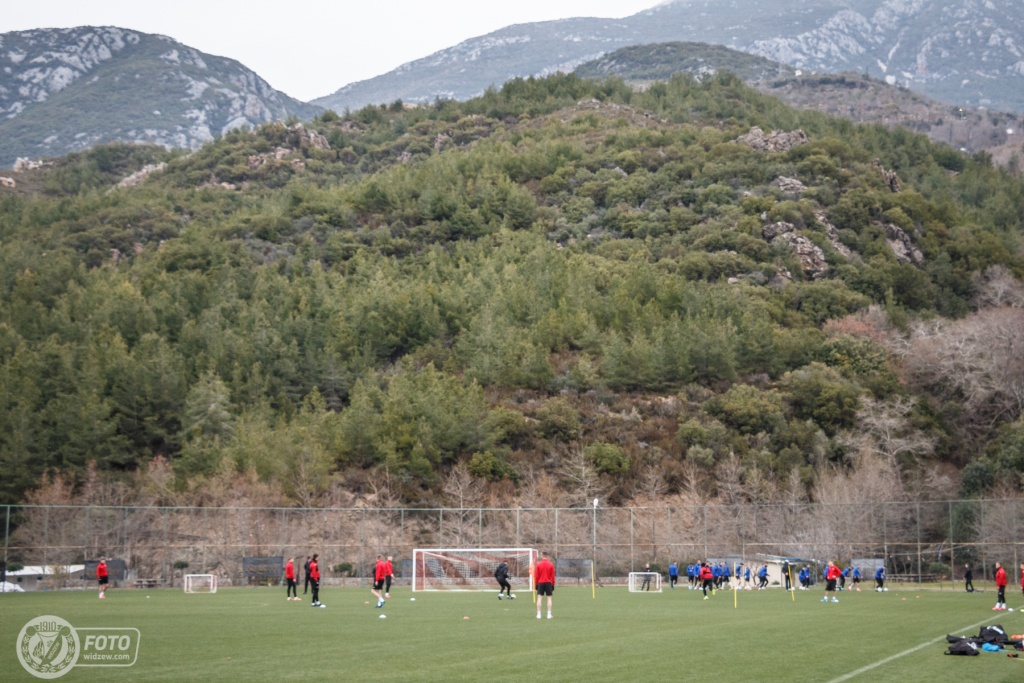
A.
x: 42, y: 577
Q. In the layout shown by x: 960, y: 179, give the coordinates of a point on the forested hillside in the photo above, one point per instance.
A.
x: 557, y: 290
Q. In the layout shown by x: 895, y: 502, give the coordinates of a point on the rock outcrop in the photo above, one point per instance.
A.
x: 776, y: 141
x: 811, y: 257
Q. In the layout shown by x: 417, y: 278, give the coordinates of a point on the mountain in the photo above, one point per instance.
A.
x: 854, y: 96
x: 561, y: 290
x: 659, y: 61
x: 65, y: 90
x: 962, y: 52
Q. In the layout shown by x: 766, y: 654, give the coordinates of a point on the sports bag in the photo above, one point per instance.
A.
x: 962, y: 647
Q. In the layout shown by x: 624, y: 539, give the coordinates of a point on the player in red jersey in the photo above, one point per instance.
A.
x: 544, y: 578
x: 103, y: 577
x: 832, y: 574
x: 707, y: 578
x: 1000, y: 588
x: 379, y: 572
x: 389, y: 571
x: 289, y: 575
x: 314, y: 579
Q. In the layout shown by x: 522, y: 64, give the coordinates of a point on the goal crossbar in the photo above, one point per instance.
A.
x: 200, y: 583
x: 471, y: 569
x: 642, y: 582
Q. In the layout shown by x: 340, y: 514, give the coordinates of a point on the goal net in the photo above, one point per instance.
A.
x: 470, y: 569
x: 642, y: 582
x: 200, y: 583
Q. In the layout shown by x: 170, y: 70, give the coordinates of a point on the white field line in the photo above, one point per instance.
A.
x: 881, y: 662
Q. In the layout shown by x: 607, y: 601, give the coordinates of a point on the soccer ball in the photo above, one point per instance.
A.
x: 412, y: 599
x: 383, y: 616
x: 511, y: 597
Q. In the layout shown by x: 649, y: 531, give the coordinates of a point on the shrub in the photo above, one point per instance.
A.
x: 607, y: 458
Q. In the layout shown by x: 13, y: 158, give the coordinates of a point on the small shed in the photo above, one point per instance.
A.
x: 45, y: 577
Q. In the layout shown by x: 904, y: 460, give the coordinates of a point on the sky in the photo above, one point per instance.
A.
x: 312, y: 48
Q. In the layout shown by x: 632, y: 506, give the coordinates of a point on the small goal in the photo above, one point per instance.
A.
x: 471, y: 569
x: 643, y: 582
x: 200, y: 583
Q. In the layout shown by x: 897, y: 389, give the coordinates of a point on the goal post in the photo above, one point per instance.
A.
x: 200, y: 583
x: 470, y: 569
x: 643, y: 582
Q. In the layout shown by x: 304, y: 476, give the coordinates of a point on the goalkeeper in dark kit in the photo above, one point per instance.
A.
x: 501, y: 574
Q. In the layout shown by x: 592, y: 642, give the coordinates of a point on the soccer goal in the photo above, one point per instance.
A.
x: 643, y: 582
x: 470, y: 569
x: 200, y: 583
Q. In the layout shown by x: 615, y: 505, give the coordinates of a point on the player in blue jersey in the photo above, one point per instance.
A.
x: 673, y: 575
x: 880, y: 579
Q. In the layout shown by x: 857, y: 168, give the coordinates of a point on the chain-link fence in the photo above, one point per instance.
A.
x: 921, y: 542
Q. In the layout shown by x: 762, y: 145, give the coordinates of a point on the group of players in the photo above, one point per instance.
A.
x: 383, y: 572
x: 709, y: 576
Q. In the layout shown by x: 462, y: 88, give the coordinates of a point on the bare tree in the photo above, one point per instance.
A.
x: 580, y: 477
x: 976, y: 362
x: 997, y: 287
x: 729, y: 476
x: 884, y: 429
x: 461, y: 487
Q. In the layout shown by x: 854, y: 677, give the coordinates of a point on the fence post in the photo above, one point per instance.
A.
x: 952, y: 554
x: 704, y: 514
x: 7, y: 534
x: 631, y: 549
x: 556, y: 532
x: 1016, y: 545
x: 46, y: 537
x: 742, y: 536
x: 919, y: 542
x: 984, y: 545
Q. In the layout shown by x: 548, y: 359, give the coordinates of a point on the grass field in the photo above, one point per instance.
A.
x: 254, y: 634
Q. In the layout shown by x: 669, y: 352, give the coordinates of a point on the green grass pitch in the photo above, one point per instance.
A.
x: 254, y: 634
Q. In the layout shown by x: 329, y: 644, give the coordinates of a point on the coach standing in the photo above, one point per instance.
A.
x: 544, y: 575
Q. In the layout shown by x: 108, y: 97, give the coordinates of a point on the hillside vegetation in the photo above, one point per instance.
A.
x: 857, y: 97
x: 557, y: 290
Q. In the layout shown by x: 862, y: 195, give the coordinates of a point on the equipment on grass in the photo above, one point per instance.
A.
x: 470, y: 569
x: 643, y: 582
x: 200, y: 583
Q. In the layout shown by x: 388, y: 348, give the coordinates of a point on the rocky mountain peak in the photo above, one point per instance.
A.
x: 65, y: 90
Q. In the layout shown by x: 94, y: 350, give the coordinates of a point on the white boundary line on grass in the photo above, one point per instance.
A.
x: 881, y: 662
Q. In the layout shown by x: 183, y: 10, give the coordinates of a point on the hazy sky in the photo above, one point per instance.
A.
x: 309, y: 49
